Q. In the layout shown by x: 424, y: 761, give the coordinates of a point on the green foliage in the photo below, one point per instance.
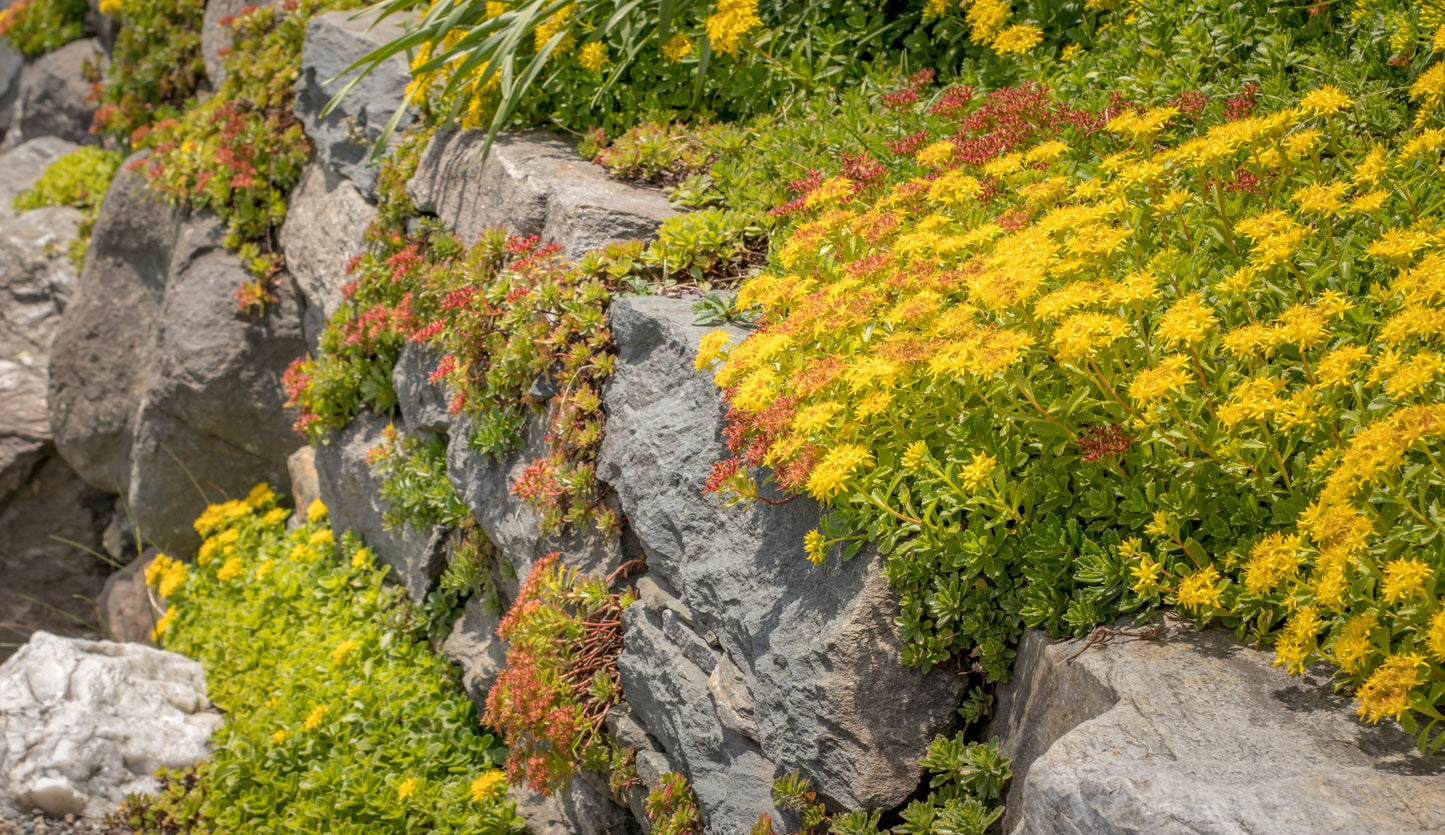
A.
x: 240, y: 152
x: 35, y: 27
x: 78, y: 179
x: 966, y: 780
x: 671, y: 807
x: 550, y: 702
x: 336, y: 721
x: 414, y: 482
x: 155, y: 67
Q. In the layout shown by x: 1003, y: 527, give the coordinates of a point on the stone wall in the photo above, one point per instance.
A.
x: 741, y: 661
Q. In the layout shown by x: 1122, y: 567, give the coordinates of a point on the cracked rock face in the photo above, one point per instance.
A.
x: 83, y: 723
x: 50, y: 98
x: 1196, y: 733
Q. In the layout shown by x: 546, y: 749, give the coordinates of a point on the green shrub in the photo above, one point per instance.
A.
x: 79, y: 179
x: 337, y: 722
x: 35, y: 27
x: 155, y: 67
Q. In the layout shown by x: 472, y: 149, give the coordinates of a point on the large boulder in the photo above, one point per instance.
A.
x: 88, y: 722
x: 804, y: 661
x: 344, y: 137
x: 53, y: 98
x: 474, y: 646
x: 582, y: 807
x: 351, y: 491
x: 531, y: 183
x: 325, y: 224
x: 23, y: 164
x: 484, y: 483
x: 100, y: 357
x: 11, y: 63
x: 212, y: 422
x: 1194, y: 732
x: 424, y: 405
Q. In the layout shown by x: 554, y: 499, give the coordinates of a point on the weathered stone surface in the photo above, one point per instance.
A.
x: 45, y: 581
x: 665, y: 672
x: 87, y: 722
x: 36, y: 277
x: 475, y: 647
x: 305, y: 487
x: 98, y: 366
x: 216, y: 39
x: 1197, y: 733
x: 352, y: 493
x: 531, y: 183
x: 423, y: 404
x: 813, y: 654
x: 212, y: 422
x: 11, y: 62
x: 22, y: 165
x: 484, y: 483
x: 579, y: 809
x: 128, y: 608
x: 52, y: 95
x: 325, y: 222
x: 344, y: 138
x: 105, y: 27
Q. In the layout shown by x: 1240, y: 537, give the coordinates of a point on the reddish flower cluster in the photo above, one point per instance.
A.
x: 1242, y: 106
x: 1014, y: 116
x: 1104, y: 442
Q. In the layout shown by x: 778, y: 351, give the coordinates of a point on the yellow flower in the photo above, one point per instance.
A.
x: 407, y: 788
x: 1321, y: 198
x: 1354, y: 646
x: 1298, y: 641
x: 1158, y: 524
x: 710, y: 349
x: 729, y: 26
x: 1299, y: 145
x: 549, y: 28
x: 1387, y: 691
x: 275, y: 516
x: 486, y: 785
x: 1017, y: 39
x: 1080, y: 336
x: 935, y: 155
x: 111, y: 8
x: 593, y: 56
x: 163, y: 623
x: 1404, y: 579
x: 1070, y: 52
x: 977, y: 470
x: 1254, y: 399
x: 985, y: 19
x: 1339, y: 365
x: 1325, y: 100
x: 833, y: 472
x: 1154, y: 384
x: 280, y: 736
x: 344, y: 649
x: 361, y: 557
x: 915, y: 456
x: 677, y: 48
x: 1199, y: 589
x: 232, y: 568
x: 321, y: 538
x: 261, y: 496
x: 1147, y: 575
x: 316, y: 511
x: 1272, y: 560
x: 1430, y: 86
x: 815, y: 546
x: 1435, y: 635
x: 1172, y: 202
x: 1398, y: 246
x: 1187, y: 322
x: 315, y: 717
x: 1372, y: 167
x: 157, y: 568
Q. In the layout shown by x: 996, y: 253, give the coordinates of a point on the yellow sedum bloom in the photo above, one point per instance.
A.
x: 832, y: 473
x: 1404, y: 580
x: 316, y: 717
x: 728, y: 28
x: 407, y: 788
x: 488, y: 785
x: 1387, y: 691
x: 1199, y: 590
x: 1017, y: 39
x: 1326, y: 100
x: 232, y: 569
x: 677, y: 48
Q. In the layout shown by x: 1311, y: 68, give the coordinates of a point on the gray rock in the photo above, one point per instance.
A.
x: 212, y: 422
x: 581, y: 808
x: 484, y: 484
x: 475, y: 647
x: 22, y: 165
x: 48, y: 576
x: 813, y: 651
x: 36, y: 277
x: 216, y: 39
x: 11, y: 62
x: 128, y: 609
x: 99, y: 360
x: 305, y: 486
x: 1198, y: 733
x: 423, y: 404
x: 667, y: 691
x: 344, y: 137
x: 352, y: 493
x: 531, y: 183
x: 325, y: 222
x: 104, y: 27
x: 53, y: 92
x: 88, y: 722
